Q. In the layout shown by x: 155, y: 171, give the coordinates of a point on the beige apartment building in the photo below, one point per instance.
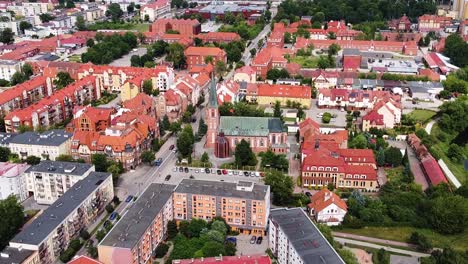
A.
x: 51, y: 232
x: 244, y: 205
x: 47, y: 145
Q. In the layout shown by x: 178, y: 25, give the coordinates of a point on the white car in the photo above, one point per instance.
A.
x: 257, y: 174
x: 197, y: 171
x: 230, y: 172
x: 175, y: 169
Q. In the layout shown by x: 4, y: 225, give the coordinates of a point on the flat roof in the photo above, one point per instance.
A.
x: 44, y: 224
x: 54, y: 137
x: 5, y: 138
x: 61, y: 167
x: 131, y: 227
x: 224, y: 189
x: 304, y: 236
x: 14, y: 255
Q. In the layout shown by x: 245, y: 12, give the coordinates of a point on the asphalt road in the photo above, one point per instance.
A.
x: 125, y: 60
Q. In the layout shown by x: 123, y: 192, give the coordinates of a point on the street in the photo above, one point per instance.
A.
x: 125, y: 60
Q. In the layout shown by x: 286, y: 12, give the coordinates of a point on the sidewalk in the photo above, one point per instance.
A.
x: 372, y: 239
x: 390, y: 249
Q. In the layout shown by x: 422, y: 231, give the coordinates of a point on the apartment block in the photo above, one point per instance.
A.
x: 141, y: 229
x: 155, y: 10
x: 189, y: 27
x: 8, y: 68
x: 11, y: 181
x: 47, y: 145
x: 51, y: 232
x: 244, y: 205
x: 24, y: 94
x: 49, y: 180
x: 12, y: 255
x: 294, y: 238
x: 198, y: 55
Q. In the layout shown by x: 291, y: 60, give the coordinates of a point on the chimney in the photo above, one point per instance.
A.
x: 327, y: 195
x: 317, y: 144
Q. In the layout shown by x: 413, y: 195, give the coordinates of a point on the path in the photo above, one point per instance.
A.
x: 390, y: 249
x: 429, y: 126
x: 372, y: 239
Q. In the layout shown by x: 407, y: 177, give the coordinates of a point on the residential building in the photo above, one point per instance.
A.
x: 246, y: 259
x: 245, y: 74
x: 11, y: 180
x: 439, y: 63
x: 372, y: 120
x: 294, y: 238
x: 199, y: 55
x: 229, y: 91
x: 185, y: 27
x: 24, y: 94
x: 401, y: 24
x: 351, y: 59
x: 8, y: 68
x: 427, y: 23
x: 156, y: 10
x: 47, y: 145
x: 213, y: 10
x: 218, y: 37
x: 140, y: 230
x: 84, y: 260
x: 11, y: 24
x: 269, y: 94
x: 327, y: 207
x: 244, y: 205
x: 91, y: 119
x: 49, y: 180
x: 11, y: 255
x: 50, y: 233
x: 269, y: 58
x: 142, y: 104
x: 171, y: 103
x: 424, y: 91
x: 93, y: 14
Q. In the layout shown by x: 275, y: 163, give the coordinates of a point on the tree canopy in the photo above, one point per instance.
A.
x: 244, y: 155
x: 281, y: 185
x: 12, y: 219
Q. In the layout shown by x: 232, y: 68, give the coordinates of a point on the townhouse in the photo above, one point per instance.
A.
x: 199, y: 55
x: 327, y: 207
x: 304, y: 245
x: 137, y: 234
x: 47, y: 145
x: 269, y: 94
x: 427, y: 23
x: 244, y: 205
x: 49, y: 180
x: 155, y: 10
x: 172, y: 104
x: 218, y: 37
x: 11, y: 180
x: 49, y: 234
x: 91, y: 119
x: 55, y: 108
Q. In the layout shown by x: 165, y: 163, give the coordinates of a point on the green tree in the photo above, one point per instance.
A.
x: 393, y: 156
x: 63, y: 79
x: 244, y: 155
x: 175, y: 54
x: 4, y: 154
x: 281, y: 185
x: 277, y: 110
x: 456, y: 49
x: 131, y: 7
x: 100, y: 234
x: 27, y: 70
x: 46, y: 17
x: 80, y: 23
x: 90, y: 43
x: 333, y: 49
x: 12, y: 219
x: 455, y: 153
x: 202, y: 127
x: 205, y: 158
x: 326, y: 118
x: 212, y: 249
x: 148, y: 87
x: 358, y: 142
x: 449, y: 214
x: 185, y: 141
x: 165, y: 124
x: 159, y: 48
x: 85, y: 234
x: 24, y: 25
x: 33, y: 160
x: 423, y: 243
x: 172, y: 229
x: 454, y: 115
x: 7, y: 36
x: 219, y: 226
x: 220, y: 68
x: 100, y: 162
x: 148, y: 156
x: 114, y: 12
x: 323, y: 62
x: 380, y: 157
x: 17, y: 78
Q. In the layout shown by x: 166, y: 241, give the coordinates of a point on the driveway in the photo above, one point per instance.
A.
x: 339, y: 121
x: 244, y: 248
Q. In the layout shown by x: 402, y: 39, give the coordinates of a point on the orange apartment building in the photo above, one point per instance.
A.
x: 91, y: 119
x: 188, y: 27
x: 137, y: 234
x: 197, y: 55
x: 244, y: 205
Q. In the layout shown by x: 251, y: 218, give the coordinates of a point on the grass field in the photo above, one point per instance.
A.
x: 140, y: 27
x: 394, y: 174
x: 422, y: 116
x: 305, y: 61
x: 75, y: 58
x: 458, y: 241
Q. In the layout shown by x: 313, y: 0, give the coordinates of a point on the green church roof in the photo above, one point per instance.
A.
x: 250, y: 126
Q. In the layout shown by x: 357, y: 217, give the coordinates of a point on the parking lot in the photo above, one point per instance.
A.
x: 244, y: 246
x: 339, y: 121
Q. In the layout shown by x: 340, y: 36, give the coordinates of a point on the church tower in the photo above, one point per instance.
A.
x: 212, y: 115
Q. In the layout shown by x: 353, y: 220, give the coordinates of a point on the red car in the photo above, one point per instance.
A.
x: 224, y: 172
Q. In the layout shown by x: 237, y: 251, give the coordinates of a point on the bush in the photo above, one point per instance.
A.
x: 75, y: 244
x: 109, y: 208
x: 423, y: 243
x: 161, y: 250
x: 84, y: 234
x: 326, y: 118
x: 100, y: 235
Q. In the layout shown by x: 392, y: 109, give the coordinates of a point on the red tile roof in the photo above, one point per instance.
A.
x: 18, y: 90
x: 281, y: 90
x: 433, y: 171
x: 84, y: 260
x: 374, y: 118
x: 324, y: 198
x: 205, y: 51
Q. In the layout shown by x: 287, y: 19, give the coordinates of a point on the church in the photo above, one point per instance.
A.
x: 225, y: 132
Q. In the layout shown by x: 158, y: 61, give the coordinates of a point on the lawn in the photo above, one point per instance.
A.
x: 140, y: 27
x: 442, y: 147
x: 394, y: 174
x: 75, y: 58
x: 305, y: 61
x: 458, y: 241
x: 422, y: 116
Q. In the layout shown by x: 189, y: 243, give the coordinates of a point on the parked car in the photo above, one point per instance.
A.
x: 113, y: 216
x: 259, y: 240
x: 252, y: 174
x: 235, y: 172
x: 262, y: 174
x: 129, y: 198
x: 158, y: 162
x: 230, y: 172
x: 207, y: 170
x: 253, y: 240
x: 197, y: 170
x: 257, y: 174
x: 171, y: 147
x: 224, y: 172
x: 246, y: 173
x: 168, y: 177
x: 181, y: 169
x: 308, y: 194
x: 231, y: 240
x: 219, y: 172
x: 106, y: 223
x: 175, y: 169
x: 191, y: 177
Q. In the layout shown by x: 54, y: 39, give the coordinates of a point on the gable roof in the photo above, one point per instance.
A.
x: 324, y: 198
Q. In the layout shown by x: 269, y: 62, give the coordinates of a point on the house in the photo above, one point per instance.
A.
x: 171, y: 103
x: 439, y: 63
x: 185, y: 27
x: 372, y: 120
x: 351, y: 59
x: 401, y: 24
x: 229, y: 91
x: 427, y: 23
x: 155, y: 10
x: 268, y: 94
x: 269, y: 58
x: 91, y: 118
x: 425, y: 91
x: 50, y: 233
x: 142, y: 104
x: 199, y: 55
x: 327, y: 207
x: 294, y: 238
x: 245, y: 74
x: 218, y: 37
x: 46, y: 145
x: 11, y: 180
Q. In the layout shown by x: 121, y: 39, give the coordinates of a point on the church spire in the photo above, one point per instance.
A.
x: 213, y: 100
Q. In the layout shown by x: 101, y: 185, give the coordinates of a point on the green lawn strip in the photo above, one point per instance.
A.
x: 140, y: 27
x: 422, y: 116
x: 374, y: 250
x: 402, y: 234
x: 305, y: 61
x: 394, y: 174
x: 99, y: 225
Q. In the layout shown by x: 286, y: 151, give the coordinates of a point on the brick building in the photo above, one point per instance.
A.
x: 189, y: 27
x: 198, y: 55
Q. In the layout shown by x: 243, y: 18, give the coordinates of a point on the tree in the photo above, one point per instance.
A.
x: 358, y: 142
x: 185, y: 141
x: 131, y: 7
x: 220, y: 68
x: 219, y: 226
x: 449, y: 214
x: 244, y: 154
x: 172, y: 229
x: 281, y: 185
x: 159, y: 48
x: 109, y: 208
x: 202, y: 127
x: 175, y: 54
x: 455, y: 153
x: 148, y: 156
x: 100, y: 234
x: 115, y: 169
x: 100, y: 162
x: 323, y: 62
x: 277, y: 110
x: 380, y: 157
x: 161, y: 250
x: 454, y: 115
x: 6, y: 36
x: 205, y: 158
x: 456, y: 49
x: 17, y: 78
x: 114, y: 12
x: 4, y: 154
x: 423, y: 243
x: 198, y: 42
x: 209, y: 59
x: 393, y: 156
x: 148, y: 87
x: 33, y: 160
x: 212, y: 249
x: 70, y: 4
x: 63, y: 79
x: 46, y: 17
x: 24, y: 25
x: 333, y: 49
x: 326, y: 118
x: 80, y: 23
x: 12, y: 219
x: 319, y: 17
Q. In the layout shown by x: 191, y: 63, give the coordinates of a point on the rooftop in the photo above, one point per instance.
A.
x: 304, y: 236
x: 44, y: 224
x: 131, y: 227
x: 224, y: 189
x: 49, y: 138
x: 12, y: 255
x: 61, y: 167
x: 250, y: 126
x: 258, y: 259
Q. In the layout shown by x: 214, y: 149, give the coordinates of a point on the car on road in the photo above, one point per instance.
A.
x: 171, y: 147
x: 259, y: 240
x: 158, y: 162
x: 262, y: 174
x: 168, y: 177
x: 113, y: 216
x: 106, y: 223
x: 219, y: 172
x: 207, y: 170
x: 235, y: 172
x: 252, y: 174
x: 129, y: 198
x: 186, y: 170
x: 257, y: 174
x: 191, y: 177
x: 230, y: 172
x: 253, y: 240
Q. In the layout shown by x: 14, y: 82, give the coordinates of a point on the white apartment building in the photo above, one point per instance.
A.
x: 51, y: 232
x: 47, y: 145
x: 8, y: 68
x: 49, y: 180
x: 28, y: 9
x: 156, y: 10
x: 11, y: 181
x: 294, y: 238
